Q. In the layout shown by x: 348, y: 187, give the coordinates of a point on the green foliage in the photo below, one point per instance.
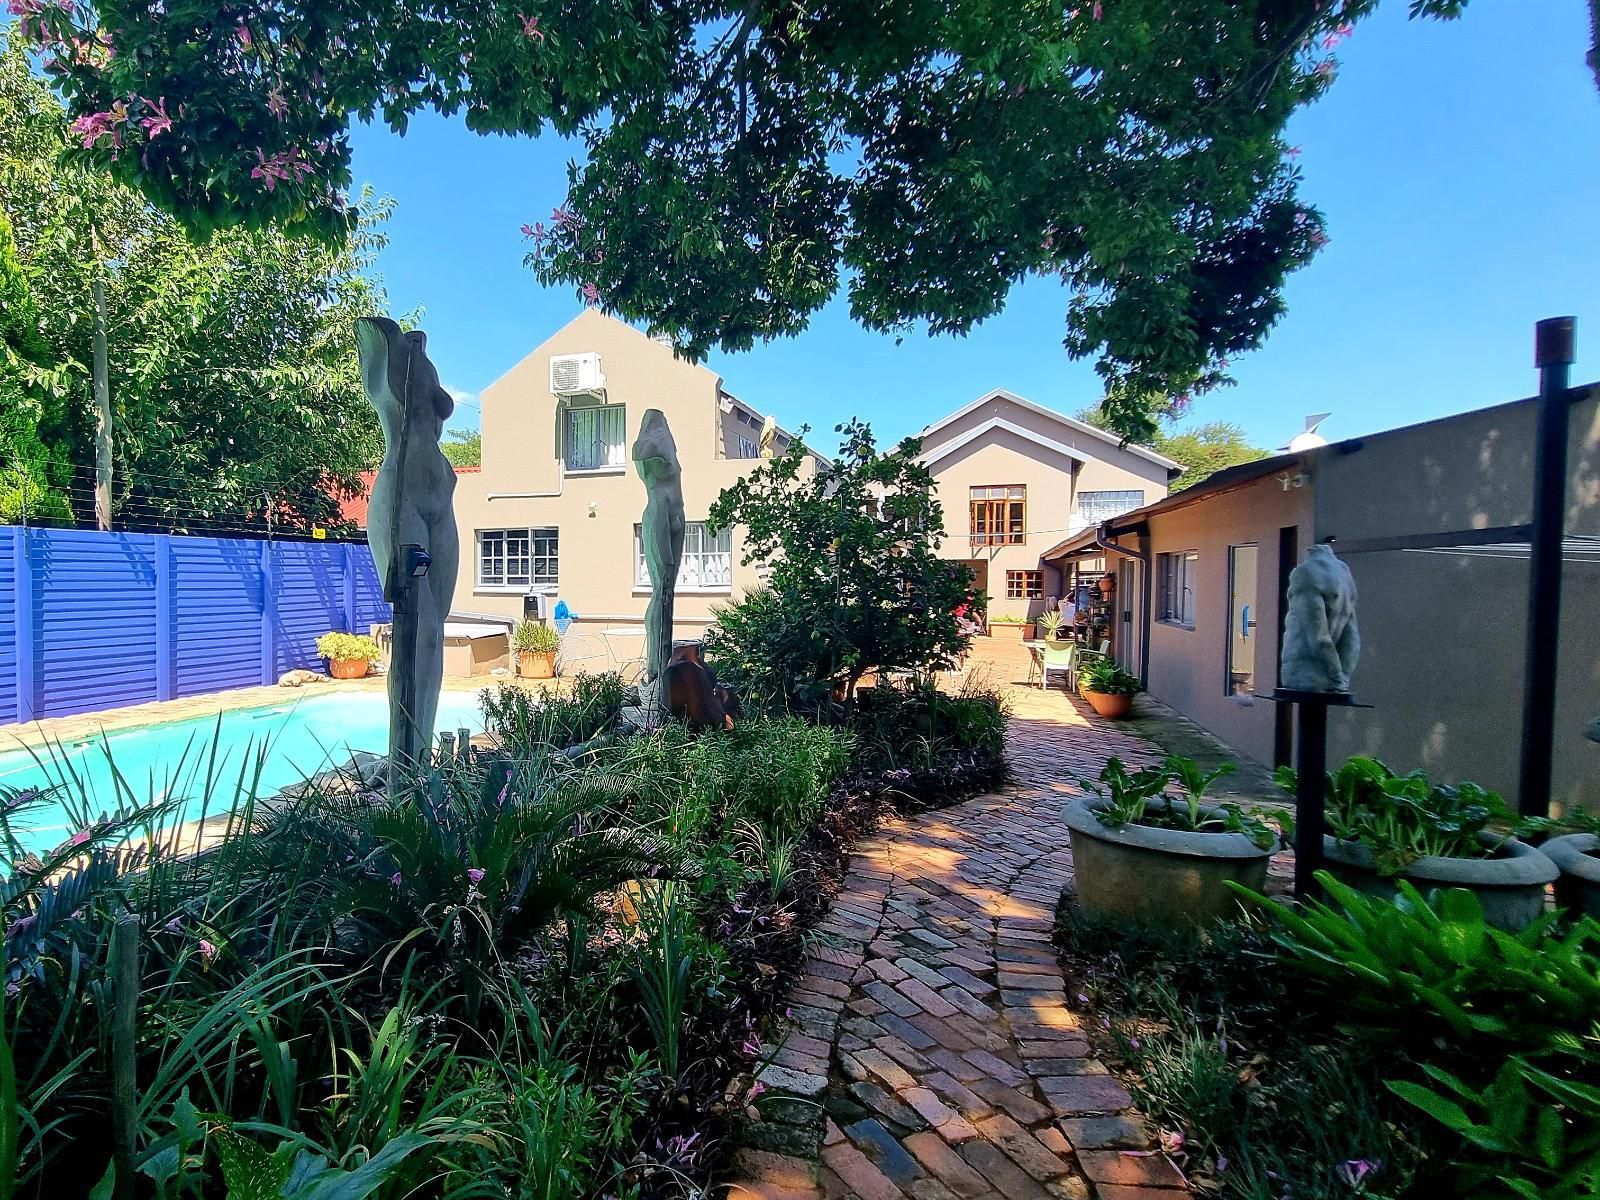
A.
x: 850, y: 552
x: 1107, y: 677
x: 664, y: 969
x: 348, y: 647
x: 233, y: 370
x: 915, y: 726
x: 715, y: 201
x: 1402, y: 818
x: 1141, y: 798
x: 525, y: 721
x: 463, y: 447
x: 535, y: 636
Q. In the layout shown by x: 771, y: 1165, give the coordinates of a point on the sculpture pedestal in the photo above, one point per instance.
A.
x: 1311, y: 770
x: 647, y: 714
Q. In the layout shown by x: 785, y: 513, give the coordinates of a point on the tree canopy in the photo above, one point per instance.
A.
x: 742, y: 161
x: 236, y: 391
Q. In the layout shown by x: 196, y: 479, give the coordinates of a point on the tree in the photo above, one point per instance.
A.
x: 29, y: 396
x: 463, y: 447
x: 235, y: 384
x: 742, y: 159
x: 1203, y: 449
x: 854, y: 581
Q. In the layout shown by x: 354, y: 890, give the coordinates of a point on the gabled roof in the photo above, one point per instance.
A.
x: 945, y: 449
x: 940, y: 450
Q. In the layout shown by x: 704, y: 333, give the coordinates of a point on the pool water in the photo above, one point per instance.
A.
x: 300, y: 738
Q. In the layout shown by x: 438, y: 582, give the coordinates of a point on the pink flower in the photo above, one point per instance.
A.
x: 756, y: 1089
x: 82, y: 835
x: 242, y: 34
x: 396, y: 879
x: 93, y: 126
x: 1325, y: 69
x: 1337, y: 35
x: 1353, y: 1173
x: 155, y: 121
x: 276, y: 104
x: 566, y: 218
x: 1171, y: 1142
x: 590, y: 293
x: 475, y: 874
x: 207, y: 950
x: 287, y: 166
x: 1098, y: 10
x: 530, y: 28
x: 1293, y: 152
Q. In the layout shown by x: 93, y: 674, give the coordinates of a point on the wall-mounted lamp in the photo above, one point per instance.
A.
x: 414, y: 561
x: 594, y: 507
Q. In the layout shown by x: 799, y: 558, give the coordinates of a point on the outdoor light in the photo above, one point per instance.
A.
x: 415, y: 560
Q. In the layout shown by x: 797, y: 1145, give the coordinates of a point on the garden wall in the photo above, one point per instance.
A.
x: 94, y: 620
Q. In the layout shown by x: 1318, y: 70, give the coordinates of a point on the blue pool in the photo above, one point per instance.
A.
x: 300, y: 737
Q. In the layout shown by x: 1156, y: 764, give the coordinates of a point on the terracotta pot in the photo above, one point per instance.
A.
x: 348, y: 668
x: 1108, y: 704
x: 1107, y: 585
x: 536, y: 664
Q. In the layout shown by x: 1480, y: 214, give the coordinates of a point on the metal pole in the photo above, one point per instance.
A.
x: 1553, y: 355
x: 1311, y: 768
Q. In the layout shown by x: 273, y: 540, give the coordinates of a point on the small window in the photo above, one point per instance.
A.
x: 747, y: 448
x: 998, y: 514
x: 595, y: 438
x: 1175, y: 583
x: 1024, y: 585
x: 707, y: 564
x: 1094, y: 507
x: 513, y: 558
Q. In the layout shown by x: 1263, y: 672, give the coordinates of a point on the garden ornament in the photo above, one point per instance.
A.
x: 769, y: 437
x: 411, y: 525
x: 1320, y: 640
x: 655, y: 455
x: 690, y: 691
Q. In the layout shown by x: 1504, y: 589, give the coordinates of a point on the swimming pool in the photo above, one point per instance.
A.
x: 301, y: 737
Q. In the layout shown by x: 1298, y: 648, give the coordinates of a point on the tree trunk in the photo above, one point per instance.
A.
x: 102, y: 412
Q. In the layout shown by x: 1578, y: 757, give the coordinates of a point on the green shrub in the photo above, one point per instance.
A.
x: 1106, y: 677
x: 348, y: 647
x: 1142, y: 798
x: 525, y: 721
x: 535, y: 637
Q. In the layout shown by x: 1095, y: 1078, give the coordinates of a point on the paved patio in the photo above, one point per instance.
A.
x: 932, y: 1023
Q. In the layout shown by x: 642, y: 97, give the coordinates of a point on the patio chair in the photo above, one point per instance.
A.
x: 1059, y: 658
x: 1035, y: 666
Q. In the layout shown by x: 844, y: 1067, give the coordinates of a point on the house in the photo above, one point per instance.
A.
x: 354, y: 508
x: 1432, y: 520
x: 1014, y: 478
x: 554, y: 511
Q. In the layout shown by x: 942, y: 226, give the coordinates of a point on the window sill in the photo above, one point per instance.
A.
x: 584, y: 472
x: 683, y: 591
x: 514, y: 589
x: 1176, y: 625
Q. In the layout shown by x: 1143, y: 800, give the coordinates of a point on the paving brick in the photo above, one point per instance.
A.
x: 903, y: 1054
x: 1129, y: 1170
x: 891, y: 1073
x: 962, y: 977
x: 948, y: 1123
x: 1021, y: 1106
x: 968, y: 1003
x: 1027, y: 1151
x: 944, y: 1164
x: 1083, y: 1094
x: 925, y: 998
x: 885, y: 970
x: 900, y: 1004
x: 888, y: 1106
x: 912, y: 1036
x: 1010, y: 1180
x: 967, y: 1102
x: 859, y: 1175
x: 996, y: 1068
x: 884, y: 1150
x: 1106, y: 1133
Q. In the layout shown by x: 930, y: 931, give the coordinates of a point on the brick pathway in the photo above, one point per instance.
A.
x: 933, y: 1050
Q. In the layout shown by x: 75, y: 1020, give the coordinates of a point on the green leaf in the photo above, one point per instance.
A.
x: 1446, y: 1111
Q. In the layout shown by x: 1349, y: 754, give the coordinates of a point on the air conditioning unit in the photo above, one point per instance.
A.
x: 576, y: 375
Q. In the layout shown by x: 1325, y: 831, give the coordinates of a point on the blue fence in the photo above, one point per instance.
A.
x: 95, y: 620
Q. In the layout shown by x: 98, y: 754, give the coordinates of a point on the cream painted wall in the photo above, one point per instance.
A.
x: 595, y: 513
x: 1053, y: 479
x: 1188, y: 666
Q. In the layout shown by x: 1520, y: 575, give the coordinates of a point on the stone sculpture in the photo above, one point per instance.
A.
x: 768, y: 436
x: 1320, y: 639
x: 410, y: 507
x: 691, y: 692
x: 655, y: 455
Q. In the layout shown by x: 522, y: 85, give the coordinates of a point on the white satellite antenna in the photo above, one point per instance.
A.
x: 1309, y: 439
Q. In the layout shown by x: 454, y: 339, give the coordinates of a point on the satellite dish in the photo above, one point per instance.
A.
x: 1310, y: 439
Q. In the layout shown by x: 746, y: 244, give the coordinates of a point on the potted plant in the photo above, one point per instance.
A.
x: 1050, y: 625
x: 1577, y: 857
x: 535, y: 645
x: 1141, y: 852
x: 349, y: 655
x: 1014, y: 628
x: 1384, y: 827
x: 1107, y: 687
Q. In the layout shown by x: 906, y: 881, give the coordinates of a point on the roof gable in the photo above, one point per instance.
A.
x: 1077, y: 426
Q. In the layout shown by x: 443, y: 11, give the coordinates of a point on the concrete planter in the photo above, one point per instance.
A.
x: 1008, y: 632
x: 1577, y: 857
x: 1510, y: 886
x: 1160, y: 876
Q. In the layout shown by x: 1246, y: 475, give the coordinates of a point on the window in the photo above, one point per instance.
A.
x: 707, y: 564
x: 1175, y: 580
x: 1094, y: 507
x: 999, y: 514
x: 747, y: 448
x: 519, y: 558
x: 595, y: 437
x: 1024, y: 585
x: 1241, y: 680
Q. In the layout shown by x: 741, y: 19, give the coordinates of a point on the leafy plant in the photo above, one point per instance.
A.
x: 1141, y: 798
x: 535, y: 637
x: 664, y: 969
x: 525, y: 721
x: 348, y: 647
x: 1108, y: 678
x: 1402, y: 818
x: 1049, y: 624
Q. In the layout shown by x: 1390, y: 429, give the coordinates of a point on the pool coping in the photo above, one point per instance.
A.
x: 83, y: 726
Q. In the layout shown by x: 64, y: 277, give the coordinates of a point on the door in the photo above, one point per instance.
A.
x: 1241, y: 676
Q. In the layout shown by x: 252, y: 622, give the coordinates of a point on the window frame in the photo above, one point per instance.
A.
x: 1228, y: 687
x: 533, y: 539
x: 1025, y: 584
x: 990, y: 506
x: 606, y: 468
x: 1110, y: 510
x: 1178, y: 568
x: 641, y: 571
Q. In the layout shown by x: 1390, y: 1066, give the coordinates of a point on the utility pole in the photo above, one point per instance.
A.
x: 102, y: 408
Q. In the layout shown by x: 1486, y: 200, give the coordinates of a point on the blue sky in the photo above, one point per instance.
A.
x: 1456, y: 163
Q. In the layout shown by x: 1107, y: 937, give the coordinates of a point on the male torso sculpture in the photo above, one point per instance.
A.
x: 655, y: 455
x: 1320, y: 639
x: 411, y: 505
